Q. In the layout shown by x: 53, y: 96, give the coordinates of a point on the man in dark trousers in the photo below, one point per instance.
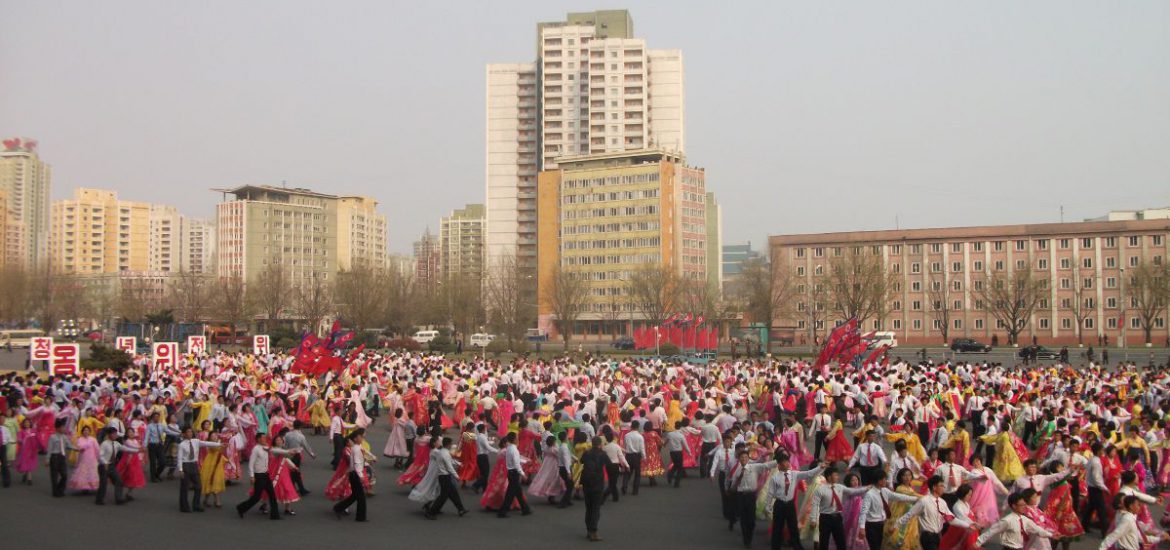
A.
x: 483, y: 446
x: 261, y: 480
x: 634, y: 445
x: 448, y: 469
x: 593, y: 465
x: 60, y: 443
x: 188, y: 461
x: 514, y: 463
x: 357, y: 467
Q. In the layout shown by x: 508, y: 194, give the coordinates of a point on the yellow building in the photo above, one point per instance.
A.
x: 361, y: 233
x: 606, y: 216
x: 94, y: 232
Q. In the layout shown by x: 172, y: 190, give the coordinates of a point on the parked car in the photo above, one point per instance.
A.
x: 969, y: 345
x: 625, y: 342
x: 887, y: 339
x: 536, y: 335
x: 481, y: 340
x: 425, y: 336
x: 1037, y: 352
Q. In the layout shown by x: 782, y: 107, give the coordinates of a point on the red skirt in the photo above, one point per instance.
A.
x: 958, y: 538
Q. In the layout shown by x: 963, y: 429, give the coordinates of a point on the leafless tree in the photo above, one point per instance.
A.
x: 189, y: 295
x: 939, y: 294
x: 1011, y: 298
x: 403, y: 302
x: 461, y: 298
x: 567, y: 295
x: 273, y: 293
x: 15, y: 288
x: 656, y: 291
x: 812, y: 305
x: 231, y: 303
x: 859, y: 286
x: 769, y: 293
x: 509, y: 313
x: 313, y: 300
x: 1083, y: 302
x: 361, y: 295
x: 1148, y: 290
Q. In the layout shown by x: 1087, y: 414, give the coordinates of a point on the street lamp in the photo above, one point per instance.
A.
x: 1121, y: 337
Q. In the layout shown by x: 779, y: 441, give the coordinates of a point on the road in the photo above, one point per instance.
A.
x: 660, y: 516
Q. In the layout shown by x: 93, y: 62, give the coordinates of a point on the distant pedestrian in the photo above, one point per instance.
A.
x: 594, y: 464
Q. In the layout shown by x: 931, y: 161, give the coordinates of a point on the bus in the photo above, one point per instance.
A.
x: 19, y: 338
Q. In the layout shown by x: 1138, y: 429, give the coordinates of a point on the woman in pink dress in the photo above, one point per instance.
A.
x: 547, y: 481
x: 26, y: 455
x: 984, y: 508
x: 396, y: 444
x: 526, y: 441
x: 851, y: 513
x: 130, y: 465
x: 248, y: 425
x: 422, y: 458
x: 282, y: 468
x: 493, y: 494
x: 84, y: 477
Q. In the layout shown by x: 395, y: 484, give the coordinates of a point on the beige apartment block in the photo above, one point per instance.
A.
x: 95, y: 232
x: 25, y: 180
x: 461, y: 245
x: 1083, y: 263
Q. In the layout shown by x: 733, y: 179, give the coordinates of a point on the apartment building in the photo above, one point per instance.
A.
x: 95, y: 232
x: 605, y: 216
x: 461, y: 247
x: 26, y: 181
x: 1083, y: 265
x: 594, y: 88
x: 197, y: 246
x: 361, y: 233
x: 165, y: 235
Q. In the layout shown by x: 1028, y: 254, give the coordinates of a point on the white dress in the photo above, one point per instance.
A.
x: 427, y: 489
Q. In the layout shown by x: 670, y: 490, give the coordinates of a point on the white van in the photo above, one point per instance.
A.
x: 888, y: 339
x: 481, y: 340
x: 425, y: 336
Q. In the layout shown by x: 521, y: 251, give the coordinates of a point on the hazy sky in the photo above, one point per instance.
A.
x: 810, y: 116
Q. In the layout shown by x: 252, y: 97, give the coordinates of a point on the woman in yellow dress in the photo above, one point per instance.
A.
x: 913, y: 444
x: 88, y: 420
x: 211, y: 471
x: 319, y: 416
x: 1008, y: 465
x: 906, y: 537
x: 580, y: 445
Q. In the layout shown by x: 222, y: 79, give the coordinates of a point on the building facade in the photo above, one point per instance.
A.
x: 594, y: 89
x: 461, y: 245
x: 26, y: 181
x: 732, y: 259
x: 261, y: 225
x: 166, y: 226
x: 197, y: 246
x: 714, y: 242
x: 606, y: 216
x: 361, y: 233
x: 95, y: 232
x: 427, y: 261
x: 1083, y: 266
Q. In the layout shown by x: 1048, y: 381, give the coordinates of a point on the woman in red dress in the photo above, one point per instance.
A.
x: 422, y: 458
x: 837, y: 443
x: 493, y: 494
x: 526, y: 441
x: 130, y: 465
x: 961, y: 538
x: 1060, y: 509
x: 652, y: 464
x: 468, y: 467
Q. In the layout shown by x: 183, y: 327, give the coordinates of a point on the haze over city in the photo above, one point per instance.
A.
x: 806, y: 117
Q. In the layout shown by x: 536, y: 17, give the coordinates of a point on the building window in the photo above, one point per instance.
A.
x: 1021, y: 265
x: 800, y: 271
x: 1042, y: 264
x: 977, y: 247
x: 916, y: 286
x: 819, y: 270
x: 977, y: 266
x: 1065, y: 244
x: 1042, y: 244
x: 936, y: 248
x: 1044, y: 323
x: 917, y: 324
x: 1086, y: 243
x: 1111, y: 322
x: 1087, y: 263
x: 979, y: 324
x: 1021, y: 245
x: 936, y: 267
x: 957, y: 248
x: 1110, y: 242
x: 956, y: 267
x: 1065, y: 323
x: 1088, y: 322
x: 897, y: 305
x: 1110, y: 262
x: 916, y: 305
x: 818, y: 252
x: 957, y: 285
x: 896, y: 268
x: 897, y: 324
x: 997, y: 246
x: 1157, y: 240
x: 915, y: 267
x: 958, y: 324
x: 1066, y: 263
x: 799, y: 252
x: 999, y: 265
x: 1135, y: 241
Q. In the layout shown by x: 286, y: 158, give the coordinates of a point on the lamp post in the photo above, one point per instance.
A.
x: 1121, y: 337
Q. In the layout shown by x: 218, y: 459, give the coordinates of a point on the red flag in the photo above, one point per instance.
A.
x: 699, y: 320
x: 676, y: 336
x: 713, y: 338
x: 670, y: 320
x: 689, y: 337
x: 876, y: 354
x: 353, y: 354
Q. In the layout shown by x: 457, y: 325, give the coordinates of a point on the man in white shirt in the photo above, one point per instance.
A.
x: 743, y: 482
x: 1014, y: 528
x: 782, y: 489
x: 107, y: 470
x: 617, y: 462
x: 1127, y: 533
x: 902, y: 460
x: 1098, y: 491
x: 828, y: 507
x: 875, y: 510
x: 483, y: 446
x: 188, y: 460
x: 933, y: 514
x: 261, y: 481
x: 515, y: 492
x: 634, y: 447
x: 821, y: 425
x: 447, y: 469
x: 710, y: 437
x: 357, y: 472
x: 953, y: 475
x: 870, y: 457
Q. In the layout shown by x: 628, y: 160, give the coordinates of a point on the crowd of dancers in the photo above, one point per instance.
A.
x: 892, y: 455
